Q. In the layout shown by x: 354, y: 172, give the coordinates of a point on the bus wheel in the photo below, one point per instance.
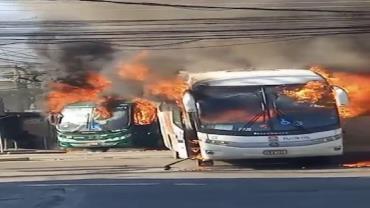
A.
x: 321, y: 162
x: 100, y: 149
x: 332, y: 161
x: 204, y: 163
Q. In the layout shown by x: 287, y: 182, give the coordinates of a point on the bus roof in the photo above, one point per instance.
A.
x: 90, y: 104
x: 81, y: 105
x: 252, y: 78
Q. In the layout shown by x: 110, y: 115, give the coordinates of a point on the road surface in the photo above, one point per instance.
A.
x: 137, y: 179
x: 277, y: 192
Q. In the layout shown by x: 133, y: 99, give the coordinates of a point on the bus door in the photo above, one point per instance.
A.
x: 178, y: 127
x: 165, y: 126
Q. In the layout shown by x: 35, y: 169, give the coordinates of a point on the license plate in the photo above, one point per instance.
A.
x: 93, y: 144
x: 275, y: 152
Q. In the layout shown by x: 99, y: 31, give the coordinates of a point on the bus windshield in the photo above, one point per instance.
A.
x: 75, y: 119
x: 295, y: 106
x: 265, y: 109
x: 83, y: 119
x: 118, y: 121
x: 232, y: 109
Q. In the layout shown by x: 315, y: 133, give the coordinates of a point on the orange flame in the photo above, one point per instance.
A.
x: 357, y: 86
x: 312, y: 92
x: 362, y: 164
x: 135, y: 69
x: 104, y: 109
x: 145, y: 112
x: 231, y: 116
x: 153, y: 85
x: 64, y: 94
x: 172, y: 90
x: 101, y: 112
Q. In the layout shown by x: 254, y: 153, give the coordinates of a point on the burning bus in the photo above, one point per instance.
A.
x: 88, y: 125
x: 86, y: 117
x: 284, y: 113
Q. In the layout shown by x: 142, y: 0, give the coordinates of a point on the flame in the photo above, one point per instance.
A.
x: 172, y: 90
x: 232, y: 116
x: 63, y: 94
x: 357, y: 86
x: 362, y: 164
x: 101, y: 113
x: 154, y: 84
x: 145, y: 112
x: 135, y: 69
x: 311, y: 92
x: 103, y: 109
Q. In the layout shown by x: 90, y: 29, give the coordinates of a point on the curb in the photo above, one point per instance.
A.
x: 19, y: 152
x: 14, y: 159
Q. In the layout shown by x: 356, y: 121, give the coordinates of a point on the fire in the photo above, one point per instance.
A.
x: 312, y: 92
x: 172, y: 90
x: 101, y: 113
x: 232, y: 116
x: 363, y: 164
x: 155, y: 85
x: 104, y: 106
x: 145, y: 112
x: 63, y: 94
x: 135, y: 69
x: 357, y: 86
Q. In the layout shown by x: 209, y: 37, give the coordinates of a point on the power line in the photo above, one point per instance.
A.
x: 17, y: 61
x: 185, y: 6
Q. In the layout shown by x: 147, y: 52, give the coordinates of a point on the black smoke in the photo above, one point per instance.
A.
x: 78, y: 60
x: 71, y: 63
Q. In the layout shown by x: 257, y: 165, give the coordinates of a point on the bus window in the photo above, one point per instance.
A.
x: 176, y: 116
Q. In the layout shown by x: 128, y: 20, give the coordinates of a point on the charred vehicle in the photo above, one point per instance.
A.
x: 254, y: 114
x: 83, y: 125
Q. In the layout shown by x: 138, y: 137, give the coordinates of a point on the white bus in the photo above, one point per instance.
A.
x: 254, y: 115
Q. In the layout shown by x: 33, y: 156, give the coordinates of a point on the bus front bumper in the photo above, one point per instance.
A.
x: 119, y: 141
x: 91, y: 144
x: 220, y: 152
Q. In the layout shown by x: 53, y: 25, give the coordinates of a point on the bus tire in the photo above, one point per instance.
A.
x: 333, y: 161
x: 204, y: 163
x: 100, y: 149
x: 321, y: 162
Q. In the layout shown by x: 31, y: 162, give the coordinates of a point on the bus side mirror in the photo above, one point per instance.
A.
x: 189, y: 103
x: 341, y: 96
x: 55, y: 118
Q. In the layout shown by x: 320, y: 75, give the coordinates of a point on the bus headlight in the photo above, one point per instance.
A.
x: 331, y: 138
x: 216, y: 142
x: 114, y: 139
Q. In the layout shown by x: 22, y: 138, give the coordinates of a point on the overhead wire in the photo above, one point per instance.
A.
x: 162, y: 34
x: 192, y: 6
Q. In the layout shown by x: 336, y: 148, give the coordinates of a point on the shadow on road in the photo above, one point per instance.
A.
x: 301, y: 163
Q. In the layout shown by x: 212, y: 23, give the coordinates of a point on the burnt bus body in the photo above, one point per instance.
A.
x: 81, y: 127
x: 247, y: 115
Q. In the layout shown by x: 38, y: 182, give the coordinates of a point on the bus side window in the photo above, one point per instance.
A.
x: 176, y: 116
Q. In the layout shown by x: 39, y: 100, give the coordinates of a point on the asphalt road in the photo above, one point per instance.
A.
x: 137, y: 179
x: 97, y: 193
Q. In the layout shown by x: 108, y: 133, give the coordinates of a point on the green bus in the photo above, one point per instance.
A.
x: 79, y: 126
